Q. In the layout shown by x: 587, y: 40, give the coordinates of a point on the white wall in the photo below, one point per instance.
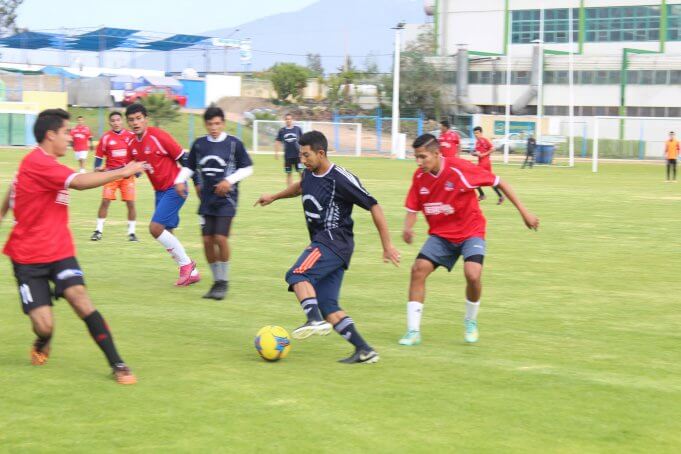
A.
x: 218, y: 86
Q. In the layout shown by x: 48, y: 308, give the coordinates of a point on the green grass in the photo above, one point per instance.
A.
x: 579, y: 325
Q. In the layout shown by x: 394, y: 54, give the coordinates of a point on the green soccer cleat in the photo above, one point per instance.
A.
x: 471, y: 334
x: 412, y: 338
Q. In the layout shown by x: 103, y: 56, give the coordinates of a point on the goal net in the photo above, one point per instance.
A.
x: 344, y: 138
x: 631, y: 137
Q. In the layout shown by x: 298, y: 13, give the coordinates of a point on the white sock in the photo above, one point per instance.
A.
x: 174, y: 247
x: 472, y: 310
x: 131, y: 227
x: 414, y: 311
x: 224, y: 271
x: 100, y: 224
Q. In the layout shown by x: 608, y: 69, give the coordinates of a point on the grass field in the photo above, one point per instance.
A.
x: 579, y: 324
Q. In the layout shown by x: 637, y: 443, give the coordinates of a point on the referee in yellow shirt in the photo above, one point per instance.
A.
x: 671, y: 152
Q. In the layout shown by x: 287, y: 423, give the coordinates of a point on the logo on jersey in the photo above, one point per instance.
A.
x: 112, y: 142
x: 307, y: 207
x: 147, y: 150
x: 68, y: 274
x: 435, y: 208
x: 449, y: 186
x: 63, y: 197
x: 424, y: 191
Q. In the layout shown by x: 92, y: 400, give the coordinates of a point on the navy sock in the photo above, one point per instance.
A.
x: 311, y: 308
x: 101, y: 334
x: 346, y: 328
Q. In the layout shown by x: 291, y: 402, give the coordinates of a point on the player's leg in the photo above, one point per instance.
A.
x: 108, y: 194
x: 288, y: 169
x: 166, y: 218
x: 81, y: 156
x: 668, y: 168
x: 314, y: 264
x: 473, y: 251
x: 674, y: 169
x: 128, y: 196
x: 499, y: 194
x: 42, y: 322
x: 481, y: 194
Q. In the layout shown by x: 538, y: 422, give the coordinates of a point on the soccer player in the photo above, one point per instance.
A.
x: 222, y: 162
x: 671, y: 152
x: 289, y: 136
x: 529, y: 152
x: 484, y: 148
x: 444, y: 190
x: 328, y: 194
x: 82, y: 142
x: 450, y: 142
x: 160, y: 152
x: 113, y: 146
x: 41, y: 245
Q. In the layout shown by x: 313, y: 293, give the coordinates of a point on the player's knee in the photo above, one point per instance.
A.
x: 419, y: 270
x: 79, y: 299
x: 156, y: 229
x: 473, y: 274
x: 335, y: 317
x: 43, y: 323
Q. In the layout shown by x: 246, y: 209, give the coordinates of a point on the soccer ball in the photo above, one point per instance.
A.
x: 272, y: 343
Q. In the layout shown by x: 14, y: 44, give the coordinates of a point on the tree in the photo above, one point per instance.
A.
x: 314, y: 65
x: 288, y: 79
x: 161, y: 109
x: 8, y: 16
x: 371, y: 64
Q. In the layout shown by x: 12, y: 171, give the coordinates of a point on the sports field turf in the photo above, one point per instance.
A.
x: 579, y: 323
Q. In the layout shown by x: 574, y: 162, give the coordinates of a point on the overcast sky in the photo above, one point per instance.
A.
x: 170, y: 16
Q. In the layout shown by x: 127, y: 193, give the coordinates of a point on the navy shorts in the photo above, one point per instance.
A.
x: 215, y: 225
x: 322, y: 268
x: 291, y: 164
x: 445, y: 253
x: 34, y: 281
x: 168, y: 205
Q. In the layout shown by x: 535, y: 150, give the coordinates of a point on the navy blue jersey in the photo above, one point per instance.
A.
x: 214, y: 160
x: 290, y: 137
x: 327, y: 202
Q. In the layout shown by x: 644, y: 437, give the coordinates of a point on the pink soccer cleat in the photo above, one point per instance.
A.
x: 188, y: 275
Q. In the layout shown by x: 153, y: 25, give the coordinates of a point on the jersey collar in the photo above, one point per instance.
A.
x: 325, y: 173
x: 442, y: 168
x: 221, y: 137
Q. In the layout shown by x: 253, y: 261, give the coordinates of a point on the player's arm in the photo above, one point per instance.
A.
x: 4, y: 207
x: 409, y: 222
x: 292, y: 191
x: 83, y: 181
x: 531, y: 221
x: 99, y: 155
x: 390, y: 253
x: 244, y: 169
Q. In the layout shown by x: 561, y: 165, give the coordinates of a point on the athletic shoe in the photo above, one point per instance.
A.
x: 412, y: 338
x: 188, y: 275
x: 482, y: 197
x: 39, y: 356
x: 124, y: 375
x: 471, y: 334
x: 96, y: 235
x: 501, y: 200
x: 361, y: 356
x: 321, y: 328
x: 217, y: 291
x: 132, y: 237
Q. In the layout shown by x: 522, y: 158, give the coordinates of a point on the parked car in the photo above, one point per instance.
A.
x: 466, y: 143
x: 142, y: 92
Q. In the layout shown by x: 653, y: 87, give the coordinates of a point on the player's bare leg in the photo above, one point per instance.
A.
x: 473, y: 273
x: 420, y: 271
x: 307, y: 296
x: 102, y: 213
x: 42, y: 322
x: 132, y: 219
x: 188, y: 272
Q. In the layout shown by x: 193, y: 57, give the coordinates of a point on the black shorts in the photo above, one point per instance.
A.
x: 216, y: 225
x: 671, y: 161
x: 34, y: 281
x: 291, y: 164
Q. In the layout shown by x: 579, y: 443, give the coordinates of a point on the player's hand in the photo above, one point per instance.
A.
x: 100, y: 169
x: 198, y: 190
x: 531, y: 221
x: 222, y: 188
x: 181, y: 189
x: 408, y: 236
x: 264, y: 200
x: 132, y: 168
x: 390, y: 254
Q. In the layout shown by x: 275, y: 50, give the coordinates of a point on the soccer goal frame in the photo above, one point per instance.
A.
x: 597, y: 131
x: 309, y: 125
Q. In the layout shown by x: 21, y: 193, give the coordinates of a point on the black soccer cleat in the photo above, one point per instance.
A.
x: 96, y: 236
x: 217, y: 291
x: 361, y: 356
x: 132, y: 237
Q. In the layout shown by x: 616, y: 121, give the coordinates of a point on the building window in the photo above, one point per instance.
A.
x: 525, y: 25
x: 618, y: 23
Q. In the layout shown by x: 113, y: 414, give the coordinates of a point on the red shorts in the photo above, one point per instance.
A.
x: 485, y: 164
x: 125, y: 185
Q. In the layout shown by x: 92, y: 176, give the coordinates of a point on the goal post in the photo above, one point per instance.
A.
x: 344, y: 138
x: 630, y: 137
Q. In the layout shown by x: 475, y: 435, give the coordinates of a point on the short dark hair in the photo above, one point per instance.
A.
x: 213, y: 112
x: 49, y: 120
x: 427, y: 140
x: 136, y: 108
x: 477, y: 128
x: 288, y: 115
x: 114, y: 113
x: 79, y: 117
x: 671, y: 132
x: 315, y: 140
x: 446, y: 123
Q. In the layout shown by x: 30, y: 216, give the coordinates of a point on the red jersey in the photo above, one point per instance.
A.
x: 483, y: 145
x: 40, y: 197
x: 161, y: 152
x: 81, y: 136
x: 449, y: 144
x: 114, y: 147
x: 449, y: 200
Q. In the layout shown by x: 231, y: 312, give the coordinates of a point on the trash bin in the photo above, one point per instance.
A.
x: 544, y: 153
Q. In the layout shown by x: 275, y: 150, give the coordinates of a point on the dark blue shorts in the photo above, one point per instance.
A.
x: 442, y: 252
x: 168, y: 205
x: 322, y: 268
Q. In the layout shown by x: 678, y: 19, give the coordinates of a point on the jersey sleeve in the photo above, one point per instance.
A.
x: 412, y: 203
x: 241, y: 156
x: 53, y: 175
x: 169, y: 144
x: 99, y: 152
x: 474, y: 176
x: 350, y: 188
x: 280, y: 135
x: 190, y: 162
